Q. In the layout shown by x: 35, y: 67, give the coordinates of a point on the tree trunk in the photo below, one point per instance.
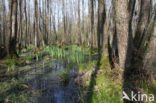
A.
x: 20, y: 37
x: 13, y: 29
x: 4, y: 24
x: 122, y: 28
x: 105, y: 41
x: 92, y: 21
x: 101, y: 21
x: 79, y: 27
x: 142, y: 22
x: 64, y: 21
x: 151, y: 46
x: 26, y: 20
x: 35, y: 23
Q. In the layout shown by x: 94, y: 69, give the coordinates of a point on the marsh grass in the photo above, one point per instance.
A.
x: 72, y: 54
x: 64, y: 77
x: 87, y: 66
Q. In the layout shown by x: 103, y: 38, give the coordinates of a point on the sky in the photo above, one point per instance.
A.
x: 58, y: 6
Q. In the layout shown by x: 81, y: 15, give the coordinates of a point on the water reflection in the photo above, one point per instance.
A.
x: 45, y: 80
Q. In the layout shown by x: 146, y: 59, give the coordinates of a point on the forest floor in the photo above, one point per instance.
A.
x: 68, y: 74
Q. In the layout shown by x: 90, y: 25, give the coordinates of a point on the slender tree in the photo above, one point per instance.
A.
x: 13, y: 28
x: 35, y: 23
x: 79, y: 20
x: 101, y: 21
x: 26, y: 22
x: 92, y: 21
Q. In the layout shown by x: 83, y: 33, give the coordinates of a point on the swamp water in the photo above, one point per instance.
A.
x: 45, y: 80
x: 50, y: 78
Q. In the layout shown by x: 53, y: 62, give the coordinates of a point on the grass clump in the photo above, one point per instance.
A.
x: 64, y: 77
x: 28, y: 59
x: 88, y: 66
x: 11, y: 64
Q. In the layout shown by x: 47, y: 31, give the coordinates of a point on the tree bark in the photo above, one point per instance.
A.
x: 4, y: 24
x: 151, y: 49
x: 105, y: 41
x: 142, y: 22
x: 13, y: 29
x: 101, y: 21
x: 20, y: 37
x: 79, y: 26
x: 35, y: 23
x: 92, y: 21
x: 122, y: 28
x: 26, y: 20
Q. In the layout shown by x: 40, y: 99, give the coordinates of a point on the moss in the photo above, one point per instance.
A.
x: 108, y: 84
x: 105, y: 63
x: 108, y: 88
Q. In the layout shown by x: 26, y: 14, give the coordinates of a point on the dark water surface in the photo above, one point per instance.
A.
x: 44, y: 80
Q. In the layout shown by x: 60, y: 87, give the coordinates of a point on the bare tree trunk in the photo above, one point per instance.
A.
x: 20, y: 37
x: 92, y: 21
x: 29, y: 31
x: 13, y: 29
x: 4, y: 24
x: 79, y: 27
x: 147, y: 31
x: 151, y: 49
x: 35, y: 23
x: 101, y: 21
x: 26, y: 20
x: 142, y: 22
x: 64, y: 21
x: 83, y: 19
x: 122, y: 27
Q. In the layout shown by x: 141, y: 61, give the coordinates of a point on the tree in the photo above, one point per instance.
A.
x: 13, y: 28
x: 79, y: 26
x: 101, y: 21
x: 142, y: 22
x: 4, y: 24
x: 122, y: 28
x: 26, y: 21
x: 20, y: 37
x: 151, y: 49
x: 35, y: 23
x: 92, y: 21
